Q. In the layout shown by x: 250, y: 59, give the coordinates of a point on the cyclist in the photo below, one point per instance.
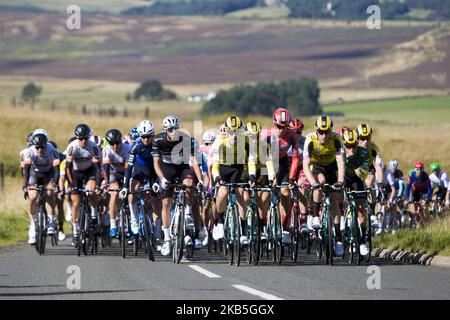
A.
x: 208, y: 139
x: 230, y: 154
x: 297, y: 126
x: 357, y: 163
x: 41, y: 163
x: 172, y: 152
x: 323, y: 156
x: 420, y: 184
x: 82, y: 167
x: 139, y: 170
x: 365, y: 140
x: 282, y: 142
x: 63, y: 185
x: 394, y: 187
x: 115, y: 158
x: 439, y: 180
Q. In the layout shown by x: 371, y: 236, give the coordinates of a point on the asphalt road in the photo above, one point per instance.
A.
x: 25, y: 275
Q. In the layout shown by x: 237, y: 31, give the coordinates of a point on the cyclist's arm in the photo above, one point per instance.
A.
x: 196, y: 168
x: 340, y: 161
x: 26, y: 174
x: 429, y: 190
x: 295, y: 161
x: 266, y: 146
x: 131, y: 161
x: 401, y: 188
x: 307, y: 162
x: 215, y: 160
x: 377, y: 164
x: 408, y: 189
x: 107, y: 165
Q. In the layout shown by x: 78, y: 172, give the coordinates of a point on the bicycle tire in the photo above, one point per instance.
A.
x: 237, y: 240
x: 229, y: 245
x: 123, y: 237
x: 295, y: 212
x: 40, y: 231
x: 356, y: 233
x: 81, y: 231
x: 148, y: 234
x: 179, y: 236
x: 256, y: 246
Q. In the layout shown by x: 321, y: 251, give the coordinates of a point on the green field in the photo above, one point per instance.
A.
x: 412, y: 110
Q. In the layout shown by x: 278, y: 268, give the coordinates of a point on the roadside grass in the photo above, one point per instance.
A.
x: 13, y: 217
x: 434, y: 239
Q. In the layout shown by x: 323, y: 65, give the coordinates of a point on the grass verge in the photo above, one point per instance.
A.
x: 435, y: 239
x: 13, y: 228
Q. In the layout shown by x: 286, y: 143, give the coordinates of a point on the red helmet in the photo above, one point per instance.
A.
x: 281, y: 117
x: 418, y: 164
x: 342, y: 130
x: 296, y: 124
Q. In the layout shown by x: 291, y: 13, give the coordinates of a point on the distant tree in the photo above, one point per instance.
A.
x: 31, y: 93
x: 128, y: 96
x: 153, y: 90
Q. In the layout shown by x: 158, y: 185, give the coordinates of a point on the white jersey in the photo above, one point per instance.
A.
x: 83, y: 158
x: 117, y: 161
x: 440, y: 181
x: 43, y: 163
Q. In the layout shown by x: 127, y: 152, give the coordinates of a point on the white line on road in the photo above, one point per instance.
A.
x: 255, y: 292
x: 204, y: 271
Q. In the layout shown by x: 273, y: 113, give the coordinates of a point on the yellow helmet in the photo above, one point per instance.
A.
x: 364, y: 130
x: 350, y: 137
x: 233, y: 123
x: 323, y: 123
x: 253, y: 128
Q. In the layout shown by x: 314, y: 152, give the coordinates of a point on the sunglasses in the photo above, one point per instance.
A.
x: 280, y: 127
x: 83, y: 138
x: 322, y: 132
x: 207, y: 143
x: 147, y: 137
x: 172, y: 129
x: 351, y: 146
x: 40, y: 147
x: 115, y: 143
x: 364, y: 138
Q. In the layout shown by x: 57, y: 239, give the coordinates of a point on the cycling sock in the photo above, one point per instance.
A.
x: 113, y: 223
x: 337, y: 230
x: 220, y: 218
x: 166, y: 234
x: 76, y: 229
x: 197, y: 232
x: 316, y: 209
x: 363, y: 235
x: 133, y: 209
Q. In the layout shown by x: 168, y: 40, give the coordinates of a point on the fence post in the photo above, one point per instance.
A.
x: 2, y: 176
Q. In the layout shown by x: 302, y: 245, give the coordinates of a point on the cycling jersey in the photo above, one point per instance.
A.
x: 175, y: 152
x: 43, y: 163
x: 359, y: 162
x: 140, y: 162
x: 83, y: 158
x: 322, y: 154
x: 375, y: 155
x: 419, y: 185
x: 394, y: 179
x: 117, y: 161
x: 440, y: 181
x: 287, y: 144
x: 202, y: 158
x: 22, y: 156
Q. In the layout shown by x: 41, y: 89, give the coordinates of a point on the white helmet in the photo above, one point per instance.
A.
x: 171, y: 122
x: 97, y: 140
x: 393, y: 165
x: 40, y: 131
x: 209, y: 136
x: 145, y: 128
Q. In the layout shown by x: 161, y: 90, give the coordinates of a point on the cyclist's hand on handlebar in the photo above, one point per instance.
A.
x: 200, y: 186
x: 252, y: 181
x: 338, y: 185
x: 164, y: 183
x: 292, y: 184
x: 218, y: 181
x: 25, y: 188
x: 155, y: 187
x: 316, y: 186
x: 123, y: 193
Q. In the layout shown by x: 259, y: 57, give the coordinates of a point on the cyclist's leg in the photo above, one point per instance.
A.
x: 113, y: 207
x: 335, y: 199
x: 90, y: 185
x: 51, y: 201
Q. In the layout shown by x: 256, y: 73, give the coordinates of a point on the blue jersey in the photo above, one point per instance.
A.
x: 141, y: 154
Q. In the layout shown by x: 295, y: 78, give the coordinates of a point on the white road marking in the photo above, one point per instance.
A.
x: 255, y: 292
x: 204, y: 271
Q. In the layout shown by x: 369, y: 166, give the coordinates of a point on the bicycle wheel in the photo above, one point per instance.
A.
x: 81, y: 241
x: 295, y: 232
x: 123, y: 236
x: 277, y: 234
x: 255, y: 236
x: 237, y: 242
x: 356, y: 233
x: 40, y: 232
x: 148, y: 234
x: 179, y: 233
x: 229, y: 234
x: 328, y: 237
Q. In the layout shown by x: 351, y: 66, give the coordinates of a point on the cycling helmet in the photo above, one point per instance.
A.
x: 418, y: 164
x: 134, y: 134
x: 223, y: 130
x: 296, y: 124
x: 435, y: 166
x: 364, y: 130
x: 281, y: 117
x: 350, y: 137
x: 39, y: 140
x: 82, y: 131
x: 233, y: 123
x: 253, y: 128
x: 29, y: 136
x: 393, y: 165
x: 97, y: 140
x: 342, y: 130
x: 40, y: 131
x: 113, y: 136
x: 171, y: 122
x: 209, y: 136
x: 146, y: 128
x: 323, y: 123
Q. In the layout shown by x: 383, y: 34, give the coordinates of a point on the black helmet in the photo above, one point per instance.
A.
x: 39, y: 140
x: 29, y: 137
x: 82, y: 131
x: 113, y: 136
x: 72, y: 139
